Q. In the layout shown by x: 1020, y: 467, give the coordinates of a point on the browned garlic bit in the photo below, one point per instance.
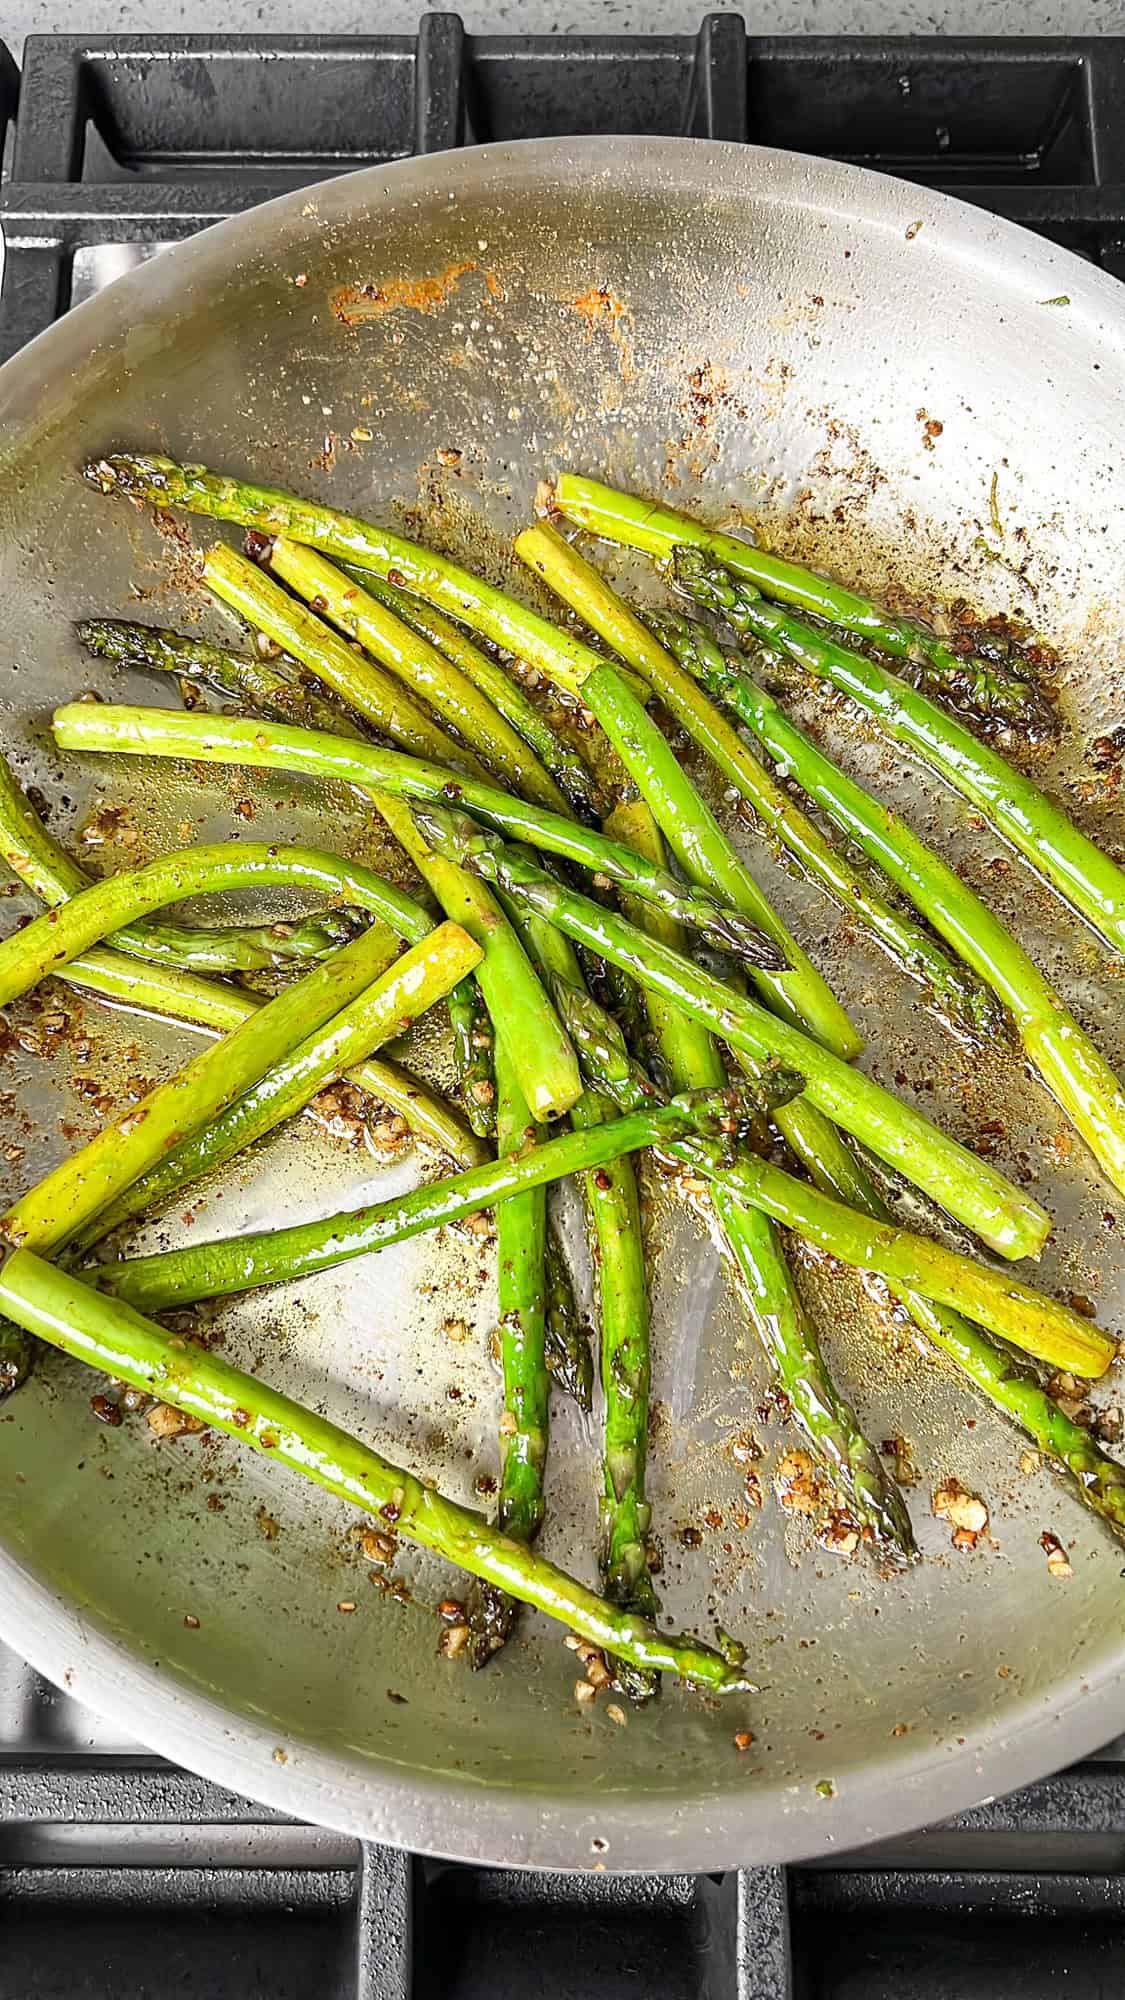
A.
x: 798, y: 1488
x: 165, y: 1422
x: 1058, y: 1562
x: 966, y: 1513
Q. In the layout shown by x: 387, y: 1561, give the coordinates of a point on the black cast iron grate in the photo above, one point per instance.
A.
x: 119, y: 1874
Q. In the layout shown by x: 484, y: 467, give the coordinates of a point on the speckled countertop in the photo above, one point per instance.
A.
x: 783, y: 17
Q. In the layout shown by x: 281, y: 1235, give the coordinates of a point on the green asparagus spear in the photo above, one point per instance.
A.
x: 691, y: 1061
x: 1008, y: 1220
x: 202, y: 1003
x: 363, y: 686
x: 954, y: 991
x: 230, y: 740
x: 442, y: 686
x: 81, y: 1186
x: 395, y: 998
x: 613, y: 1208
x: 575, y: 786
x: 1040, y: 1326
x: 544, y: 1061
x: 46, y: 944
x: 521, y: 1238
x: 1097, y: 1478
x: 109, y: 1335
x: 699, y: 842
x: 1061, y: 1051
x: 345, y: 537
x: 474, y: 1056
x: 623, y: 1318
x: 218, y: 670
x: 239, y: 1264
x: 1064, y: 857
x: 998, y: 694
x: 521, y: 1243
x: 521, y: 1012
x: 567, y: 1339
x: 36, y: 857
x: 687, y: 823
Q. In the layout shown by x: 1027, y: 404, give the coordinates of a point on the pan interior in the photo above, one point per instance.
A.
x: 929, y: 409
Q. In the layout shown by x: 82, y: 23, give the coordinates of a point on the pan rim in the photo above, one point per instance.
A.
x: 483, y: 1822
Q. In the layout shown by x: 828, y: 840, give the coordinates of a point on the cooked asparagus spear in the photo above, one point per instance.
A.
x: 801, y: 997
x: 224, y: 739
x: 99, y: 910
x: 691, y: 1061
x: 985, y: 688
x: 954, y: 991
x: 1040, y: 1326
x: 474, y: 1056
x: 233, y: 676
x: 391, y: 1002
x: 970, y: 1189
x: 358, y: 682
x: 698, y: 841
x: 1065, y: 858
x: 37, y: 858
x: 613, y: 1207
x: 567, y: 1339
x: 1057, y: 1045
x: 239, y: 1264
x: 521, y: 1237
x: 556, y: 755
x: 345, y: 537
x: 521, y: 1012
x: 521, y: 1244
x: 56, y: 1211
x: 108, y: 1334
x: 433, y: 678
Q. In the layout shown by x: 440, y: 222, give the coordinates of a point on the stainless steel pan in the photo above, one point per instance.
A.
x: 900, y: 388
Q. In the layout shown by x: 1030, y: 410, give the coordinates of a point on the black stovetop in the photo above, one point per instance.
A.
x: 120, y: 1875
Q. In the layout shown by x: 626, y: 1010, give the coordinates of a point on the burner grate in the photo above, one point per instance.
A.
x: 139, y: 141
x: 120, y: 1874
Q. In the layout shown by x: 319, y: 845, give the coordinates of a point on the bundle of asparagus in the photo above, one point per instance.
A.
x: 375, y: 640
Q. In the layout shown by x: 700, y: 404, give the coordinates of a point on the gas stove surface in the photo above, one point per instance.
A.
x: 120, y: 1874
